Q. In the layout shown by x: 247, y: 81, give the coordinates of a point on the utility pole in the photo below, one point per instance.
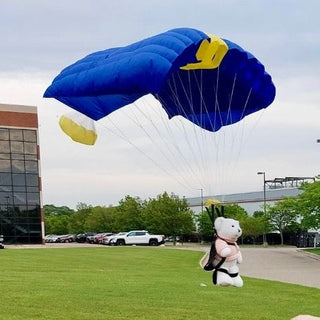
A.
x: 264, y: 238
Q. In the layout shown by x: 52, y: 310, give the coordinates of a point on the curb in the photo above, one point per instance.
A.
x: 311, y: 255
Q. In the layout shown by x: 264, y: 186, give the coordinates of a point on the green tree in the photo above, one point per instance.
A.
x: 168, y: 215
x: 57, y: 219
x: 50, y: 209
x: 238, y: 213
x: 308, y: 205
x: 204, y: 225
x: 100, y: 219
x: 128, y: 215
x: 77, y: 223
x: 57, y: 224
x: 253, y: 226
x: 234, y: 211
x: 282, y: 214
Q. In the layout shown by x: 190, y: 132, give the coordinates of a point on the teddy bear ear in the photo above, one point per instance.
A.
x: 218, y: 222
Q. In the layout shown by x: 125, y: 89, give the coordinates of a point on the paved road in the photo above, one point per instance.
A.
x: 285, y: 264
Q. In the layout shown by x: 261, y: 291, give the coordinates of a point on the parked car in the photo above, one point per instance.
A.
x: 138, y: 237
x: 90, y: 237
x: 80, y: 237
x: 106, y: 239
x: 172, y: 239
x: 98, y: 238
x: 52, y: 238
x: 113, y: 239
x: 67, y: 238
x: 84, y: 237
x: 1, y: 242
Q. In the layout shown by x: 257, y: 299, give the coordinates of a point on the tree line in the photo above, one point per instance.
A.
x: 166, y: 214
x: 170, y: 215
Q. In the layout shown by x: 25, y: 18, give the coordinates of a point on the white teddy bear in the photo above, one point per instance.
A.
x: 225, y: 254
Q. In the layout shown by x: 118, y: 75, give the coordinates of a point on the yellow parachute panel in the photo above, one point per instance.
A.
x: 79, y: 128
x: 210, y: 54
x: 210, y: 202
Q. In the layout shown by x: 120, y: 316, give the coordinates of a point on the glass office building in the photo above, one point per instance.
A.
x: 21, y: 214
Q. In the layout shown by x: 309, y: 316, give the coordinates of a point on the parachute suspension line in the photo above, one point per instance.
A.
x: 190, y: 91
x: 196, y: 129
x: 231, y: 96
x: 120, y: 134
x: 166, y: 146
x: 230, y: 141
x: 176, y: 143
x: 179, y: 143
x: 177, y: 147
x: 194, y: 151
x: 216, y: 101
x: 213, y: 152
x: 199, y: 134
x: 241, y: 129
x: 206, y: 137
x: 222, y: 160
x: 246, y: 103
x: 175, y: 95
x: 199, y: 149
x: 173, y: 88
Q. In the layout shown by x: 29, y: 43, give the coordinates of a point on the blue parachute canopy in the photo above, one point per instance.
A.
x: 210, y: 81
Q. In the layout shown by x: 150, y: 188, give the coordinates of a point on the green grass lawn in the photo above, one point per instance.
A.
x: 135, y: 283
x: 314, y: 251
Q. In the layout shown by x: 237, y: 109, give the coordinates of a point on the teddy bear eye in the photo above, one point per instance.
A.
x: 232, y: 226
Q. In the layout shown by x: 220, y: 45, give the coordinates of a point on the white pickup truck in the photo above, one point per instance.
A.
x: 137, y: 237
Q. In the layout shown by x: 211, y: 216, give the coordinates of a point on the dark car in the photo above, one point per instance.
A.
x: 1, y: 242
x: 84, y: 237
x: 67, y: 238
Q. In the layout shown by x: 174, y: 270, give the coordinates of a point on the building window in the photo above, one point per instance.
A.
x: 20, y: 211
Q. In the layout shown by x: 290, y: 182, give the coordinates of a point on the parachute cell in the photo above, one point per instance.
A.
x: 79, y: 128
x: 210, y: 81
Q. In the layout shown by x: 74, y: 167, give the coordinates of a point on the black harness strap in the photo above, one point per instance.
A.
x: 214, y: 275
x: 209, y: 266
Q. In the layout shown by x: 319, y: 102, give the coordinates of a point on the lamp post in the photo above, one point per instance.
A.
x: 201, y: 195
x: 264, y: 203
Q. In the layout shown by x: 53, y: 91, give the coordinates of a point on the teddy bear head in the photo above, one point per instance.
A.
x: 227, y: 229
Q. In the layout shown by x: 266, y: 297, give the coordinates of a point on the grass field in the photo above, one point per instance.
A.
x: 314, y: 251
x: 135, y: 283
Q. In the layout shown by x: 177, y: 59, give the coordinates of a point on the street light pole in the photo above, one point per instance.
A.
x: 264, y: 203
x: 201, y: 195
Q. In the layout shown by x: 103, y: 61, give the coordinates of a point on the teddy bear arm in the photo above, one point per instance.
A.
x: 225, y: 252
x: 239, y: 260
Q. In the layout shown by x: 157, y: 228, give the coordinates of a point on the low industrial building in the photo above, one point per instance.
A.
x: 249, y: 201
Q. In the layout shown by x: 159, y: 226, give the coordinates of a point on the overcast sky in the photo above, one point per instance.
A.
x: 39, y: 38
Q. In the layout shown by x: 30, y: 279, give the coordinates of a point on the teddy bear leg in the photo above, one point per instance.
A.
x: 237, y: 281
x: 224, y: 279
